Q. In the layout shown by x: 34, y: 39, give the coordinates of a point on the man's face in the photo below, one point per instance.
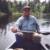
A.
x: 26, y: 12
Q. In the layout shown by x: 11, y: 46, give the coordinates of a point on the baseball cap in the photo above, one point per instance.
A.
x: 26, y: 7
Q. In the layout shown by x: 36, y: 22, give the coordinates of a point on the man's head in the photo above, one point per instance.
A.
x: 26, y: 11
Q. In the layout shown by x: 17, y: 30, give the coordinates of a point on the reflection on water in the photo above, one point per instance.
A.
x: 8, y: 39
x: 44, y: 26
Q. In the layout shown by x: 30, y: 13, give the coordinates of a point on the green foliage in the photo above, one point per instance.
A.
x: 47, y: 8
x: 15, y: 16
x: 19, y: 6
x: 13, y: 8
x: 32, y: 6
x: 36, y: 7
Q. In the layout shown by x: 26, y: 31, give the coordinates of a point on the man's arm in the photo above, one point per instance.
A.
x: 16, y: 26
x: 37, y: 25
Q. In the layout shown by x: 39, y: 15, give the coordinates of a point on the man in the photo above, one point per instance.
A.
x: 26, y: 22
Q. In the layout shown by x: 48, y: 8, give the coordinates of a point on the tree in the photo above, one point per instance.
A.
x: 47, y: 8
x: 47, y: 11
x: 19, y: 6
x: 4, y: 18
x: 36, y: 1
x: 32, y: 6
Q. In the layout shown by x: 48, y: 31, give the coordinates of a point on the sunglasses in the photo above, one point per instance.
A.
x: 26, y: 10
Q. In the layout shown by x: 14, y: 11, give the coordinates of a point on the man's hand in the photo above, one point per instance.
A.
x: 17, y: 31
x: 14, y: 29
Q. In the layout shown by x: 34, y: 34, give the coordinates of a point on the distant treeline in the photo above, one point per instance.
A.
x: 14, y: 9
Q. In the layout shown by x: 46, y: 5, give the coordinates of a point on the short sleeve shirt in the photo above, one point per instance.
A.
x: 27, y: 23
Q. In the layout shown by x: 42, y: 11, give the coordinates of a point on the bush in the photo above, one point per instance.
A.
x: 15, y: 16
